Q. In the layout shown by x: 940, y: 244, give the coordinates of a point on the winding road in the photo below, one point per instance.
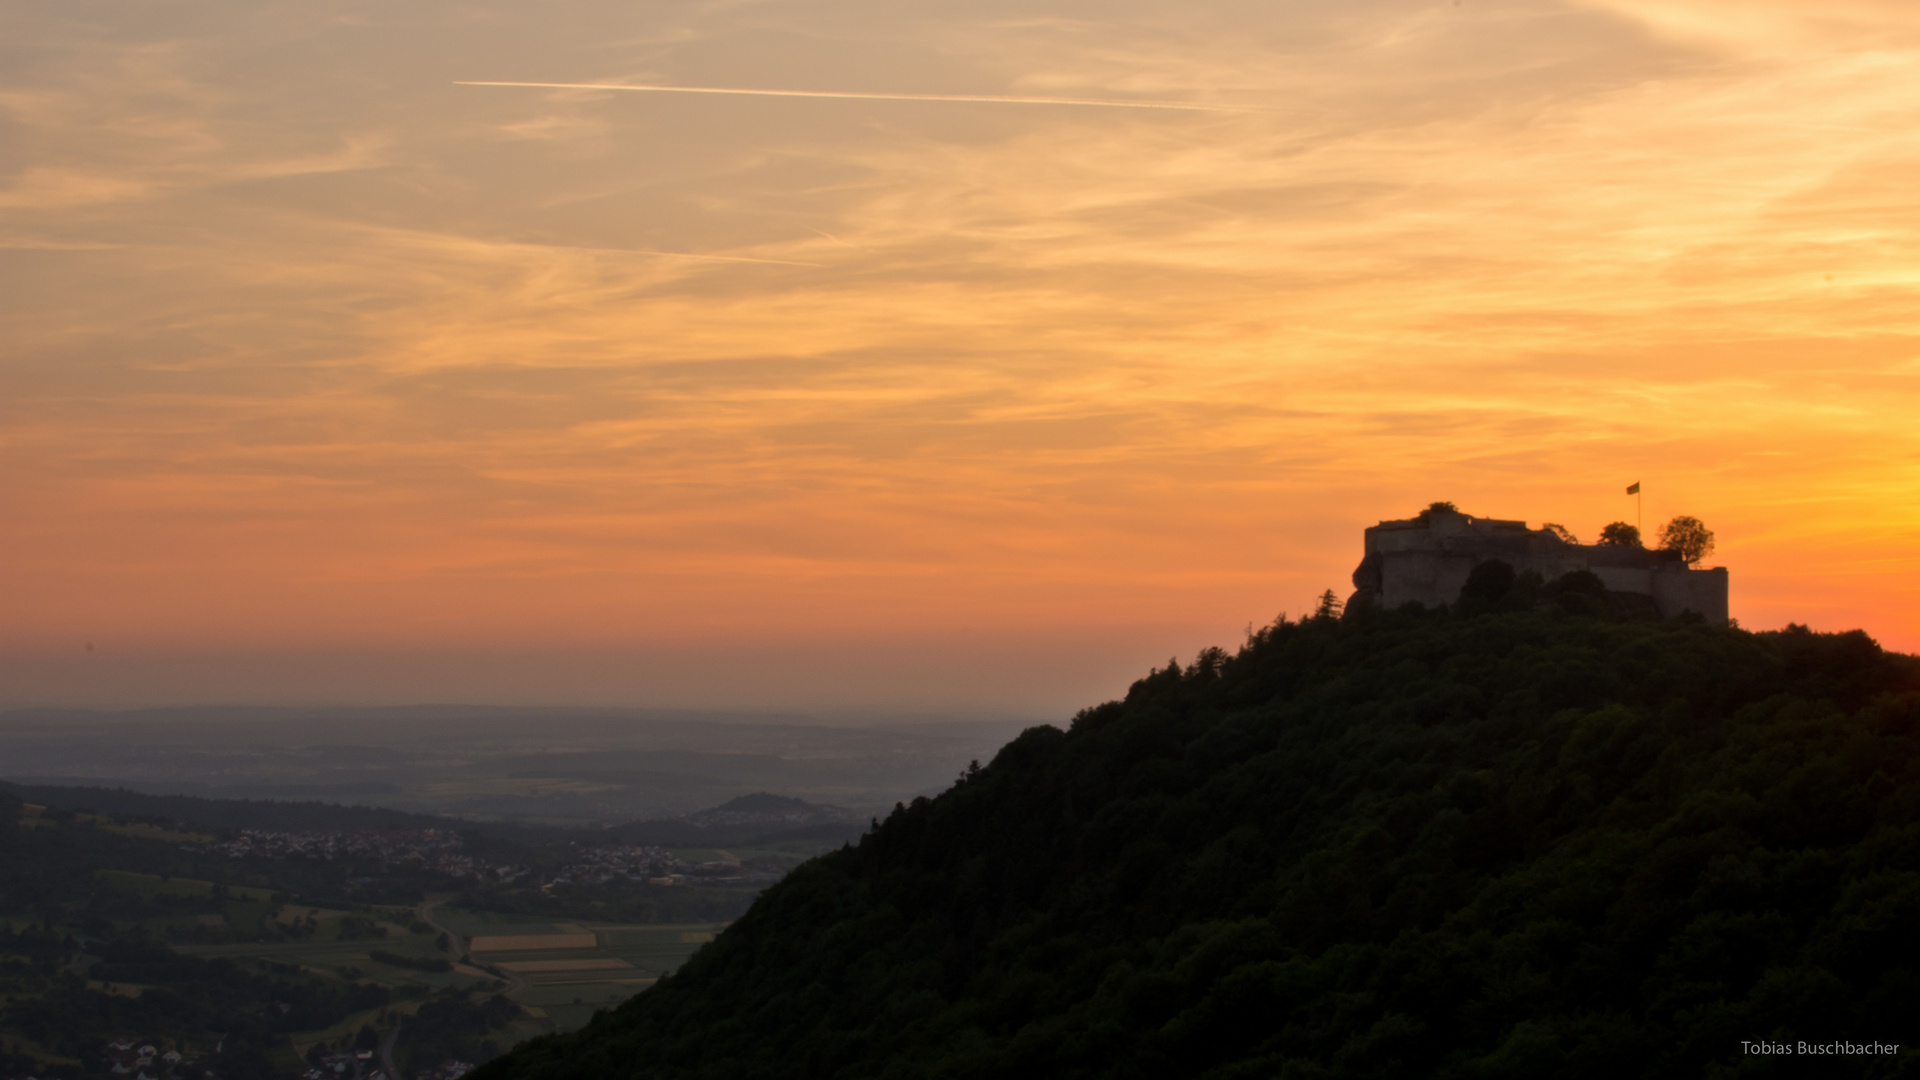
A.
x: 424, y: 912
x: 456, y: 945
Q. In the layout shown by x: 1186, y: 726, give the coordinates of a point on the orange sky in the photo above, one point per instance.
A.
x: 325, y: 379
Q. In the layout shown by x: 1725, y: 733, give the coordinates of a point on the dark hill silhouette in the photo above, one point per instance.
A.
x: 764, y: 803
x: 274, y: 815
x: 748, y: 820
x: 267, y: 814
x: 1437, y: 845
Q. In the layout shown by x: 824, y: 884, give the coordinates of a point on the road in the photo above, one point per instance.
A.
x: 386, y: 1051
x: 457, y: 945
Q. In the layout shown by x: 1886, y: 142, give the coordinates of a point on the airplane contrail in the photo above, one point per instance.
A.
x: 1090, y: 102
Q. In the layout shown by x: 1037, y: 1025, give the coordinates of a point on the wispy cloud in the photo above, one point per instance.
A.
x: 848, y: 95
x: 358, y: 354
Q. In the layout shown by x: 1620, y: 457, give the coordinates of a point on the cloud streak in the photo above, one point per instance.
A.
x: 983, y: 99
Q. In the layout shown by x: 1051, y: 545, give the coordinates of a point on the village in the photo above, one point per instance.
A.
x: 441, y: 851
x: 125, y: 1057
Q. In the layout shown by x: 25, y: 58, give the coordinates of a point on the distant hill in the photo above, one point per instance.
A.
x: 1537, y: 844
x: 763, y: 804
x: 747, y: 820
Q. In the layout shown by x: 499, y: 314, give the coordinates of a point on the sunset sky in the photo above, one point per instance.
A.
x: 326, y: 379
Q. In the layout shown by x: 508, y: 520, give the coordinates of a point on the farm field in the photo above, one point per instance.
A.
x: 565, y: 971
x: 561, y: 973
x: 351, y: 960
x: 175, y: 886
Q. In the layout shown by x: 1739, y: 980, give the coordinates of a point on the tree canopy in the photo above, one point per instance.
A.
x: 1561, y: 531
x: 1688, y: 536
x: 1620, y: 534
x: 1329, y: 606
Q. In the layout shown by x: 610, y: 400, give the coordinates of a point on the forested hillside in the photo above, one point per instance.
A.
x: 1503, y: 844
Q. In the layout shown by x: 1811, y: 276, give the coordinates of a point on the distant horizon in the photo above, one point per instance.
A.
x: 447, y: 712
x: 1035, y: 688
x: 536, y: 763
x: 1034, y: 675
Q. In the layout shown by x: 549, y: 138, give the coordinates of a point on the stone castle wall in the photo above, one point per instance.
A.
x: 1426, y: 560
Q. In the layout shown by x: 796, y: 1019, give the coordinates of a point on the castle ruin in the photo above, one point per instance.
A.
x: 1426, y: 560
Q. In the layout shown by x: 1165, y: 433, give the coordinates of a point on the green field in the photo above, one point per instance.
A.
x: 473, y: 923
x: 657, y: 949
x: 569, y: 1007
x: 153, y: 883
x: 562, y: 1000
x: 327, y: 954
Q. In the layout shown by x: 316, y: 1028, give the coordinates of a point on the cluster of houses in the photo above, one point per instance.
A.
x: 358, y: 1065
x: 425, y: 846
x: 653, y: 865
x: 347, y: 1065
x: 129, y: 1058
x: 439, y: 851
x: 144, y: 1061
x: 622, y: 862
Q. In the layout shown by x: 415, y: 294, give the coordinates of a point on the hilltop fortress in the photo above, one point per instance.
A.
x: 1426, y: 560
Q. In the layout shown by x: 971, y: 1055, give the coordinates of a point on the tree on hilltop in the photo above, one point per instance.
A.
x: 1561, y: 531
x: 1329, y: 607
x: 1688, y: 536
x: 1620, y: 534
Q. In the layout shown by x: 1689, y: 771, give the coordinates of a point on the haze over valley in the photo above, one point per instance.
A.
x: 553, y: 766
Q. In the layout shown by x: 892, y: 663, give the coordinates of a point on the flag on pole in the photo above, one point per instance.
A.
x: 1635, y: 489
